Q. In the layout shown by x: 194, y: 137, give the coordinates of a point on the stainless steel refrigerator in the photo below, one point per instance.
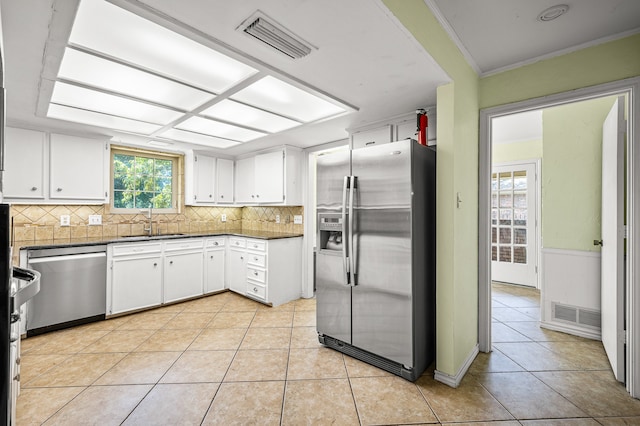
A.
x: 375, y: 260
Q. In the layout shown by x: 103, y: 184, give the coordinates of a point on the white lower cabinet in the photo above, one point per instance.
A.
x: 236, y: 270
x: 214, y: 265
x: 135, y: 277
x: 182, y: 276
x: 266, y: 270
x: 147, y: 274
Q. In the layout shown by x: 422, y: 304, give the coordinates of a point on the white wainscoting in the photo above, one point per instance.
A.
x: 570, y: 282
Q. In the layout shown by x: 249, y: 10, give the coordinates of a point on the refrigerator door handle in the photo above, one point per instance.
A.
x: 352, y: 259
x: 345, y: 264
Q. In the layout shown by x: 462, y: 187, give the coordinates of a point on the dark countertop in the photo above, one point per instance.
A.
x: 247, y: 233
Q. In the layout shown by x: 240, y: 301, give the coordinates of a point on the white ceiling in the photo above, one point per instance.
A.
x: 521, y: 127
x: 364, y: 56
x: 502, y: 34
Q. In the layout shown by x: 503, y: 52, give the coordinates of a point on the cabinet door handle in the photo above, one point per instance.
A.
x: 255, y: 289
x: 241, y: 258
x: 253, y: 196
x: 171, y: 262
x: 59, y: 189
x: 257, y: 195
x: 211, y: 258
x: 221, y: 196
x: 255, y: 273
x: 215, y: 243
x: 210, y: 195
x: 255, y: 259
x: 255, y: 246
x: 34, y: 188
x: 155, y: 264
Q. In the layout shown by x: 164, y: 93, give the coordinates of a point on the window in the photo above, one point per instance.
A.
x: 142, y: 179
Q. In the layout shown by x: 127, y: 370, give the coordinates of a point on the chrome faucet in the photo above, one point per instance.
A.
x: 149, y: 215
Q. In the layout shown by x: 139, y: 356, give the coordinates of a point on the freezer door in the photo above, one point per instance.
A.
x: 330, y: 172
x: 333, y: 294
x: 381, y: 297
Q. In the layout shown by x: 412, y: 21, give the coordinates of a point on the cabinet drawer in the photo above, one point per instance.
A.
x: 129, y: 249
x: 186, y: 244
x: 257, y: 245
x: 257, y: 290
x: 237, y: 242
x: 215, y: 242
x: 256, y: 259
x: 256, y: 274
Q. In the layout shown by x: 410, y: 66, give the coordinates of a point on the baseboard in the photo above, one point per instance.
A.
x: 454, y: 381
x: 573, y: 330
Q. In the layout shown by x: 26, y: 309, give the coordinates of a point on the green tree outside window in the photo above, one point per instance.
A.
x: 140, y: 182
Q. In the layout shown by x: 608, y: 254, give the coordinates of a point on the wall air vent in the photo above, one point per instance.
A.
x: 576, y: 315
x: 276, y: 36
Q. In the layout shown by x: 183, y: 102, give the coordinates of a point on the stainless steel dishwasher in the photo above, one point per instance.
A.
x: 72, y: 287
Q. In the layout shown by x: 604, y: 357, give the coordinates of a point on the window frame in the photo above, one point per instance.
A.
x: 156, y: 155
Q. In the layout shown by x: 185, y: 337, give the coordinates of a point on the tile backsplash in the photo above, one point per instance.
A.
x: 33, y: 223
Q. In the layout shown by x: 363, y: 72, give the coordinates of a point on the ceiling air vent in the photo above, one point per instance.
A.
x: 276, y: 36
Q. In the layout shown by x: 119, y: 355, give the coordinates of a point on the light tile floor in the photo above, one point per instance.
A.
x: 227, y: 360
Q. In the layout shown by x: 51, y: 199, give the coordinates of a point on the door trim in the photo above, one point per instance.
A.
x: 629, y: 87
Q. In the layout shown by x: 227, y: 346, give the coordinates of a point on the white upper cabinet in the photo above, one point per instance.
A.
x: 205, y: 173
x: 393, y: 129
x: 269, y: 177
x: 24, y: 164
x: 208, y: 180
x: 52, y: 168
x: 376, y: 136
x: 224, y: 180
x: 77, y: 168
x: 244, y: 182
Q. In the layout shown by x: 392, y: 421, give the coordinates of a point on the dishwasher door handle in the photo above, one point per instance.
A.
x: 67, y: 257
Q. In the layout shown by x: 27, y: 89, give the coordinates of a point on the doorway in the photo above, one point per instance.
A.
x: 628, y: 88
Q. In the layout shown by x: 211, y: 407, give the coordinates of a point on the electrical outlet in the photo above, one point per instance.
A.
x: 277, y: 218
x: 297, y: 219
x: 95, y: 219
x: 65, y: 220
x: 223, y: 217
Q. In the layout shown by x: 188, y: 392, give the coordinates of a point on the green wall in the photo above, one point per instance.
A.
x: 457, y: 228
x: 571, y: 174
x: 604, y: 63
x: 525, y: 150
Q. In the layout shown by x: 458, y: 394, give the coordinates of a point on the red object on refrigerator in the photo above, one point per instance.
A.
x: 422, y: 124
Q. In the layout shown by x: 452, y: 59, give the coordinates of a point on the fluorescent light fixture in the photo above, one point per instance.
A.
x: 272, y: 94
x: 198, y: 139
x: 216, y: 128
x: 236, y: 112
x: 101, y: 120
x: 114, y: 77
x: 79, y: 97
x: 107, y: 28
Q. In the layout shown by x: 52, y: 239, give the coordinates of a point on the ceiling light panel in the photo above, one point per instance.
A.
x: 80, y: 97
x: 198, y: 139
x: 107, y: 28
x: 221, y: 130
x: 114, y: 77
x: 236, y: 112
x: 275, y: 95
x: 92, y: 118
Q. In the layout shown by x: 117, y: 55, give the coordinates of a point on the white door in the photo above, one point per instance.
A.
x: 612, y: 238
x: 513, y: 224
